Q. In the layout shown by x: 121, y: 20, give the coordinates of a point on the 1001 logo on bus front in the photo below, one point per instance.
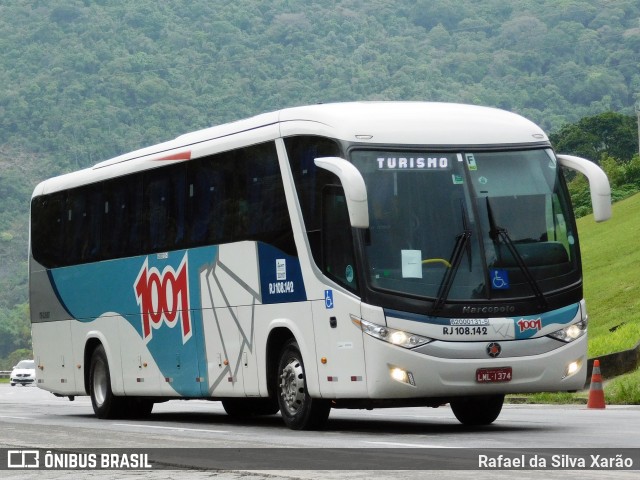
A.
x: 163, y: 297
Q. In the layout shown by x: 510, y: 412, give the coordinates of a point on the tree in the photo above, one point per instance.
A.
x: 14, y: 357
x: 609, y: 139
x: 15, y: 329
x: 610, y: 133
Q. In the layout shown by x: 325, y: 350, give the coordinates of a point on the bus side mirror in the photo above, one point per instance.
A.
x: 598, y: 184
x: 354, y: 188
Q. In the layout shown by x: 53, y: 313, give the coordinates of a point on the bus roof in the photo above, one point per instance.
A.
x: 417, y: 123
x: 428, y: 124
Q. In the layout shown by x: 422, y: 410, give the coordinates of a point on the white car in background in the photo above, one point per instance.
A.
x: 23, y: 373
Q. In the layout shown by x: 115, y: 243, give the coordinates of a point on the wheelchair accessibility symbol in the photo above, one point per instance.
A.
x: 328, y: 299
x: 499, y: 279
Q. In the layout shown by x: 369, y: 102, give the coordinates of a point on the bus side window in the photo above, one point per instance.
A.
x: 83, y: 225
x: 121, y: 217
x: 254, y: 169
x: 557, y: 229
x: 94, y: 226
x: 267, y: 216
x: 205, y: 202
x: 164, y: 208
x: 310, y: 180
x: 338, y: 260
x: 48, y: 239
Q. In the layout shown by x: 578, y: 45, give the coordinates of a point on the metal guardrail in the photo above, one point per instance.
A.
x: 5, y: 373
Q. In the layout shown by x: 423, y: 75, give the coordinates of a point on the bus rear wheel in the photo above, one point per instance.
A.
x: 105, y: 404
x: 476, y: 411
x: 299, y: 411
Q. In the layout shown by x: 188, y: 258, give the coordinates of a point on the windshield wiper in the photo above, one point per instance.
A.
x: 498, y: 233
x: 462, y: 243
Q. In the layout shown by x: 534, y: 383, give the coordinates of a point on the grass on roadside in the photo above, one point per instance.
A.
x: 610, y: 258
x: 622, y: 390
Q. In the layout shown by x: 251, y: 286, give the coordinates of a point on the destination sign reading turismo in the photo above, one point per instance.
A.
x: 413, y: 163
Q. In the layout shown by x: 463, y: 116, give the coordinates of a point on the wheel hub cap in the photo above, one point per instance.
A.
x: 292, y: 386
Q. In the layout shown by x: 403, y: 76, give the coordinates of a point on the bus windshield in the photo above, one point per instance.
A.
x: 468, y: 225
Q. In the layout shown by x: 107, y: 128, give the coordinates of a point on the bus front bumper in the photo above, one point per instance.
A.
x: 395, y: 372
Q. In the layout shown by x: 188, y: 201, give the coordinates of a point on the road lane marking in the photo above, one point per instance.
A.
x: 17, y: 418
x: 170, y: 428
x: 408, y: 445
x: 422, y: 417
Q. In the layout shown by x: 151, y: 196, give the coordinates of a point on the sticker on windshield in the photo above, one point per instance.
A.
x: 411, y: 263
x: 348, y: 274
x: 457, y: 179
x: 499, y: 279
x: 471, y: 161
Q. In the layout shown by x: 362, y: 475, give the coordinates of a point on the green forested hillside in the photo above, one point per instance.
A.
x: 84, y: 80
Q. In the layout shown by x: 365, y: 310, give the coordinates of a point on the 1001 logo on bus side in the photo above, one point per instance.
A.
x: 163, y: 297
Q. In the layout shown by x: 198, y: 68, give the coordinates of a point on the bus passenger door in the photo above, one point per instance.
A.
x: 339, y: 342
x: 339, y: 347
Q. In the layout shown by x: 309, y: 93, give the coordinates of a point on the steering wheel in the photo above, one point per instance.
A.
x: 428, y: 261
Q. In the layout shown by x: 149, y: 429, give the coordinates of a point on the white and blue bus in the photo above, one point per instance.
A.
x: 353, y: 255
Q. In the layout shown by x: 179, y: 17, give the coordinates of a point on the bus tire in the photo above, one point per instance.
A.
x: 299, y: 411
x: 105, y: 404
x: 476, y: 411
x: 250, y: 407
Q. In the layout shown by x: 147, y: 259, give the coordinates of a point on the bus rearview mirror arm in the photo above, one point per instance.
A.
x: 354, y: 187
x: 598, y: 184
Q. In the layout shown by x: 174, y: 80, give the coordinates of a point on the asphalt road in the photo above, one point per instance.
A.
x: 32, y: 418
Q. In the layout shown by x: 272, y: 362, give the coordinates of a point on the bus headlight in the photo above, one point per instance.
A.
x: 390, y: 335
x: 401, y: 375
x: 572, y: 368
x: 570, y: 333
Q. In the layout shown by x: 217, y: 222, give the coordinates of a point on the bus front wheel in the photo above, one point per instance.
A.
x: 105, y: 404
x: 477, y: 411
x: 299, y: 411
